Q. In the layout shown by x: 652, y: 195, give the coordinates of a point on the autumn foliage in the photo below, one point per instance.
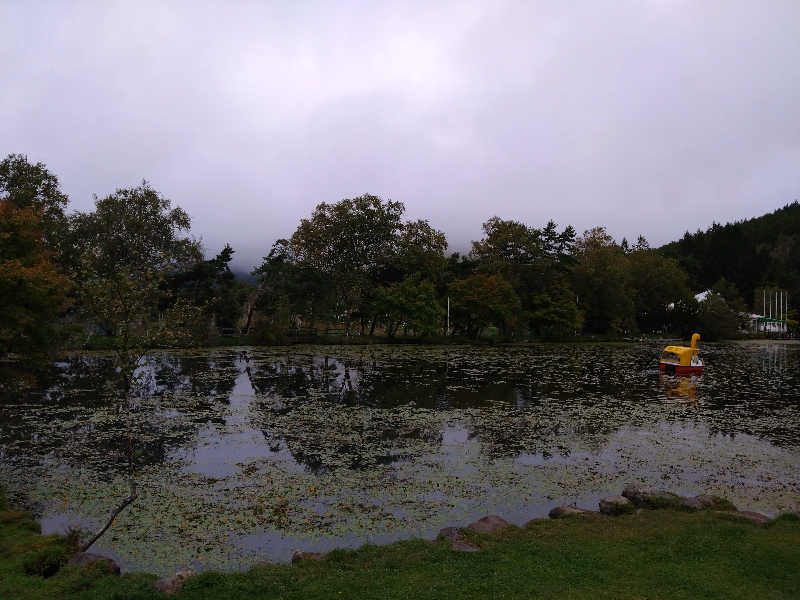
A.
x: 32, y: 290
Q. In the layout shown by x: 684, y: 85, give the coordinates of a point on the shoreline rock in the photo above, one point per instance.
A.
x: 707, y: 502
x: 646, y: 497
x: 616, y: 505
x: 654, y: 498
x: 565, y: 512
x: 488, y: 524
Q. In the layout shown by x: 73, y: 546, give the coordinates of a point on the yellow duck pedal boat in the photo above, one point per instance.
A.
x: 680, y: 360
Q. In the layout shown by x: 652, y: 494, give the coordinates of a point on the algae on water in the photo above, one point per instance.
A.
x: 250, y: 453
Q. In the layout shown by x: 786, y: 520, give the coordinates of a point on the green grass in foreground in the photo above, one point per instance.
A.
x: 654, y: 554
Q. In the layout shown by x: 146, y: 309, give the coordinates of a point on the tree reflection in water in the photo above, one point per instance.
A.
x: 357, y: 439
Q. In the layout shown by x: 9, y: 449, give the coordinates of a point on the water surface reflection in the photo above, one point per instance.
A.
x: 249, y: 452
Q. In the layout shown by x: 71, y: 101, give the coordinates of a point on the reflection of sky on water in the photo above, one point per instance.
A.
x: 382, y: 443
x: 218, y: 450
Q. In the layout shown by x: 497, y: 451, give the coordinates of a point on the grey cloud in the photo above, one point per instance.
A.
x: 646, y: 117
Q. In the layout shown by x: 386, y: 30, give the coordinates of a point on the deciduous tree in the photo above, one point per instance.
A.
x: 600, y: 280
x: 654, y: 283
x: 348, y: 243
x: 32, y: 290
x: 32, y: 186
x: 411, y: 304
x: 126, y: 248
x: 481, y: 300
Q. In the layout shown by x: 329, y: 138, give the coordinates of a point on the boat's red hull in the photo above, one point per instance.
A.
x: 680, y: 369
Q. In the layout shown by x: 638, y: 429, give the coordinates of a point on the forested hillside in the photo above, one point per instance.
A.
x: 763, y: 251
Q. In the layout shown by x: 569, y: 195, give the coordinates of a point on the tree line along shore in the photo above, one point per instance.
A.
x: 356, y: 268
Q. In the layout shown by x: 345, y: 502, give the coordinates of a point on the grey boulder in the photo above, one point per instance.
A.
x: 563, y: 512
x: 616, y: 505
x: 489, y: 524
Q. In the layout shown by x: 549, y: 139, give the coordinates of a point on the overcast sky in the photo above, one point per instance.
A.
x: 649, y: 117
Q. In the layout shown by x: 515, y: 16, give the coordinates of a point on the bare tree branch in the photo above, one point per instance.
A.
x: 113, y: 516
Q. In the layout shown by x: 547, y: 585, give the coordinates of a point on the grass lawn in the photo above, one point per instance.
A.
x: 652, y: 554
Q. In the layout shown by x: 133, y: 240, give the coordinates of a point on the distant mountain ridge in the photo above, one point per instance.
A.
x: 762, y: 251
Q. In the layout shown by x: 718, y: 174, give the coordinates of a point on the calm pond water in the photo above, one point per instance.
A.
x: 248, y: 453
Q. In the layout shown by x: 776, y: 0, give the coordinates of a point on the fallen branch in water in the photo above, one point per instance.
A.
x: 113, y: 516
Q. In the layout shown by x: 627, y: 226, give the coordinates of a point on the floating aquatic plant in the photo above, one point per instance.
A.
x: 250, y: 453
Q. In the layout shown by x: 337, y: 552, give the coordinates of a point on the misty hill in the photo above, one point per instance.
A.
x: 760, y: 251
x: 245, y: 275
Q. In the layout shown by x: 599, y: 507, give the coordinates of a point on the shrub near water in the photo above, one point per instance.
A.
x: 33, y: 566
x: 45, y: 562
x: 42, y: 561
